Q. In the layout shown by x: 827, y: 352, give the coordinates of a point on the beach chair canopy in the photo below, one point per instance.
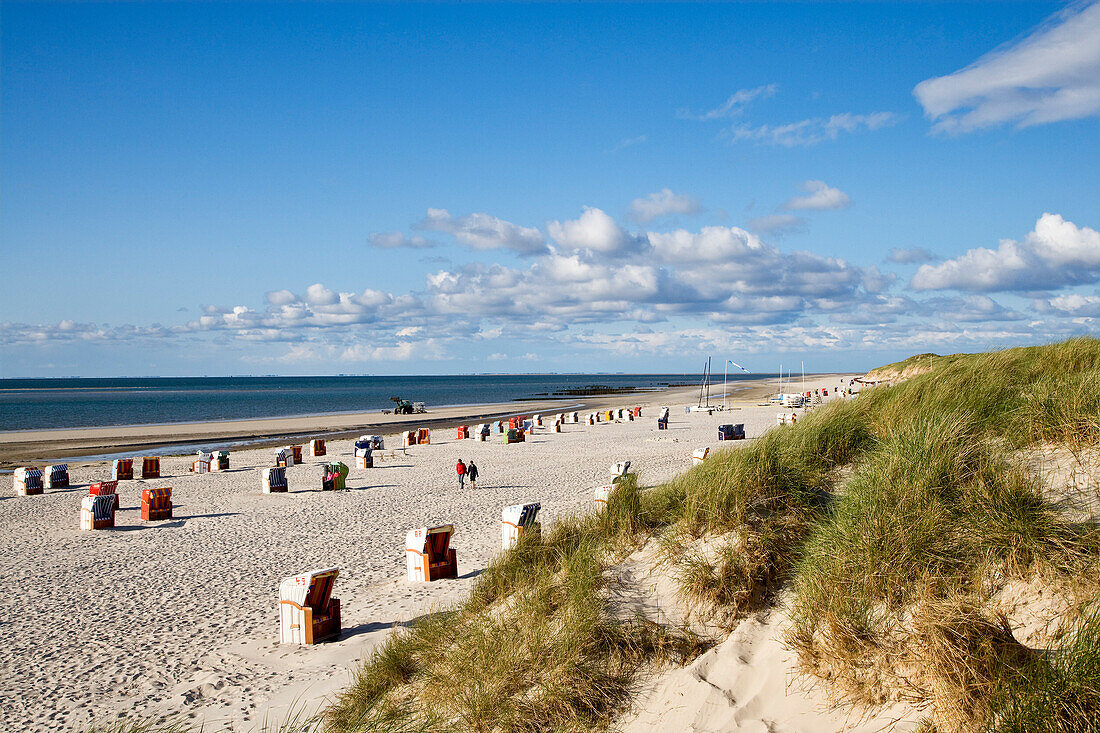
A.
x: 103, y: 488
x: 433, y: 542
x: 620, y: 468
x: 311, y: 589
x: 521, y: 515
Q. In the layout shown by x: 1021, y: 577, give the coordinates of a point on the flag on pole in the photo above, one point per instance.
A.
x: 730, y: 361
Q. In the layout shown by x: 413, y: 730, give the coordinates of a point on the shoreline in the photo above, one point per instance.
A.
x: 90, y: 444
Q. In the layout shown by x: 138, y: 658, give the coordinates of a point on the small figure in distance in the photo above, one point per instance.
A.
x: 460, y: 469
x: 471, y: 471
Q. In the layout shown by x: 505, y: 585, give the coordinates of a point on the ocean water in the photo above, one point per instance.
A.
x: 31, y: 404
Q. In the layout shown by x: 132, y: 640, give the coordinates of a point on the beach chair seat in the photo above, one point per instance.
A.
x: 537, y: 420
x: 156, y: 504
x: 637, y: 412
x: 28, y: 481
x: 557, y: 426
x: 150, y: 467
x: 410, y: 438
x: 317, y: 448
x: 516, y: 520
x: 575, y: 417
x: 739, y: 431
x: 105, y: 488
x: 202, y: 464
x: 429, y: 555
x: 219, y: 461
x: 334, y: 476
x: 463, y: 432
x: 283, y: 458
x: 122, y: 469
x: 725, y: 432
x: 273, y: 480
x: 423, y: 436
x: 97, y: 512
x: 591, y: 419
x: 308, y: 613
x: 297, y: 451
x: 699, y: 455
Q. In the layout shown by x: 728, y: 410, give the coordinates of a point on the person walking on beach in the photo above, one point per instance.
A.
x: 471, y: 471
x: 460, y: 469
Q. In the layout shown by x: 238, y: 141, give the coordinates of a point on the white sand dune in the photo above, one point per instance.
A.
x: 179, y: 617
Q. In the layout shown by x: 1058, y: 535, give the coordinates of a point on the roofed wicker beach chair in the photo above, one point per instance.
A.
x: 273, y: 480
x: 122, y: 469
x: 334, y: 476
x: 219, y: 460
x: 56, y: 476
x: 317, y: 448
x: 28, y: 481
x: 97, y: 512
x: 429, y: 555
x: 156, y: 504
x: 150, y: 467
x: 699, y: 455
x: 307, y: 611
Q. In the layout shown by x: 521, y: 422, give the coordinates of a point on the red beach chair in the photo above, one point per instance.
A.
x: 105, y: 488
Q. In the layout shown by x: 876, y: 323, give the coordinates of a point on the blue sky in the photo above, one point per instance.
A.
x: 446, y: 188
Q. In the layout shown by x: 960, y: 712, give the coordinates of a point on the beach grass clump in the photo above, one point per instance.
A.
x: 1060, y: 691
x: 891, y: 589
x: 533, y: 648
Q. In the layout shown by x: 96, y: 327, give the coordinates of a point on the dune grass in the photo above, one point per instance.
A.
x: 892, y: 518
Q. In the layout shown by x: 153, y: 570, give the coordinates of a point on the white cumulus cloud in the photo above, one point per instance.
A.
x: 594, y: 231
x: 819, y: 197
x: 662, y: 203
x: 484, y: 232
x: 1056, y: 254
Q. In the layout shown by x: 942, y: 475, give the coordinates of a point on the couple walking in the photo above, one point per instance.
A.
x: 465, y: 471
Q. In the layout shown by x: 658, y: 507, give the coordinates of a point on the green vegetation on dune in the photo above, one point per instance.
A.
x: 894, y: 519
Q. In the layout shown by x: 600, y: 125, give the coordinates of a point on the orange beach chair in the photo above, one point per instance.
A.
x: 156, y: 504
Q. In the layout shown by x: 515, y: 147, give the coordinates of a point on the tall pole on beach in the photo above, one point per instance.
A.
x: 725, y: 369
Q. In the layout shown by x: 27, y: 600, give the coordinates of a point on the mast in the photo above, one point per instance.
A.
x: 708, y: 381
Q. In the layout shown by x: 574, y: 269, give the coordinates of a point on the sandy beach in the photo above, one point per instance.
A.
x: 179, y: 617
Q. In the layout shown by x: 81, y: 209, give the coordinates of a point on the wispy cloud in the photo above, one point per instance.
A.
x: 732, y: 106
x: 813, y: 131
x: 777, y: 224
x: 1051, y: 75
x: 626, y: 142
x: 911, y: 256
x: 819, y: 197
x: 484, y: 232
x: 395, y: 240
x: 662, y: 203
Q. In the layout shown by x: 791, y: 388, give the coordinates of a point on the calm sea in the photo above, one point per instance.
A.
x: 30, y: 404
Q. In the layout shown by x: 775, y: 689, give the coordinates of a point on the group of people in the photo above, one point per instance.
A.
x: 464, y: 471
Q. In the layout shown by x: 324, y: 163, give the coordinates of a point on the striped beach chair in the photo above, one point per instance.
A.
x: 317, y: 448
x: 274, y: 480
x: 28, y: 481
x: 409, y: 438
x: 575, y: 417
x: 219, y: 460
x: 423, y: 436
x: 297, y: 451
x: 515, y: 520
x: 97, y: 512
x: 429, y: 555
x: 150, y: 467
x: 364, y: 457
x: 156, y: 504
x: 284, y: 458
x: 307, y: 611
x: 122, y: 469
x: 56, y: 476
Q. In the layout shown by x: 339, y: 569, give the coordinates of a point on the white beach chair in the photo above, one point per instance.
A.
x: 307, y: 611
x: 56, y: 476
x: 429, y: 555
x: 27, y: 481
x: 273, y: 480
x: 699, y: 455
